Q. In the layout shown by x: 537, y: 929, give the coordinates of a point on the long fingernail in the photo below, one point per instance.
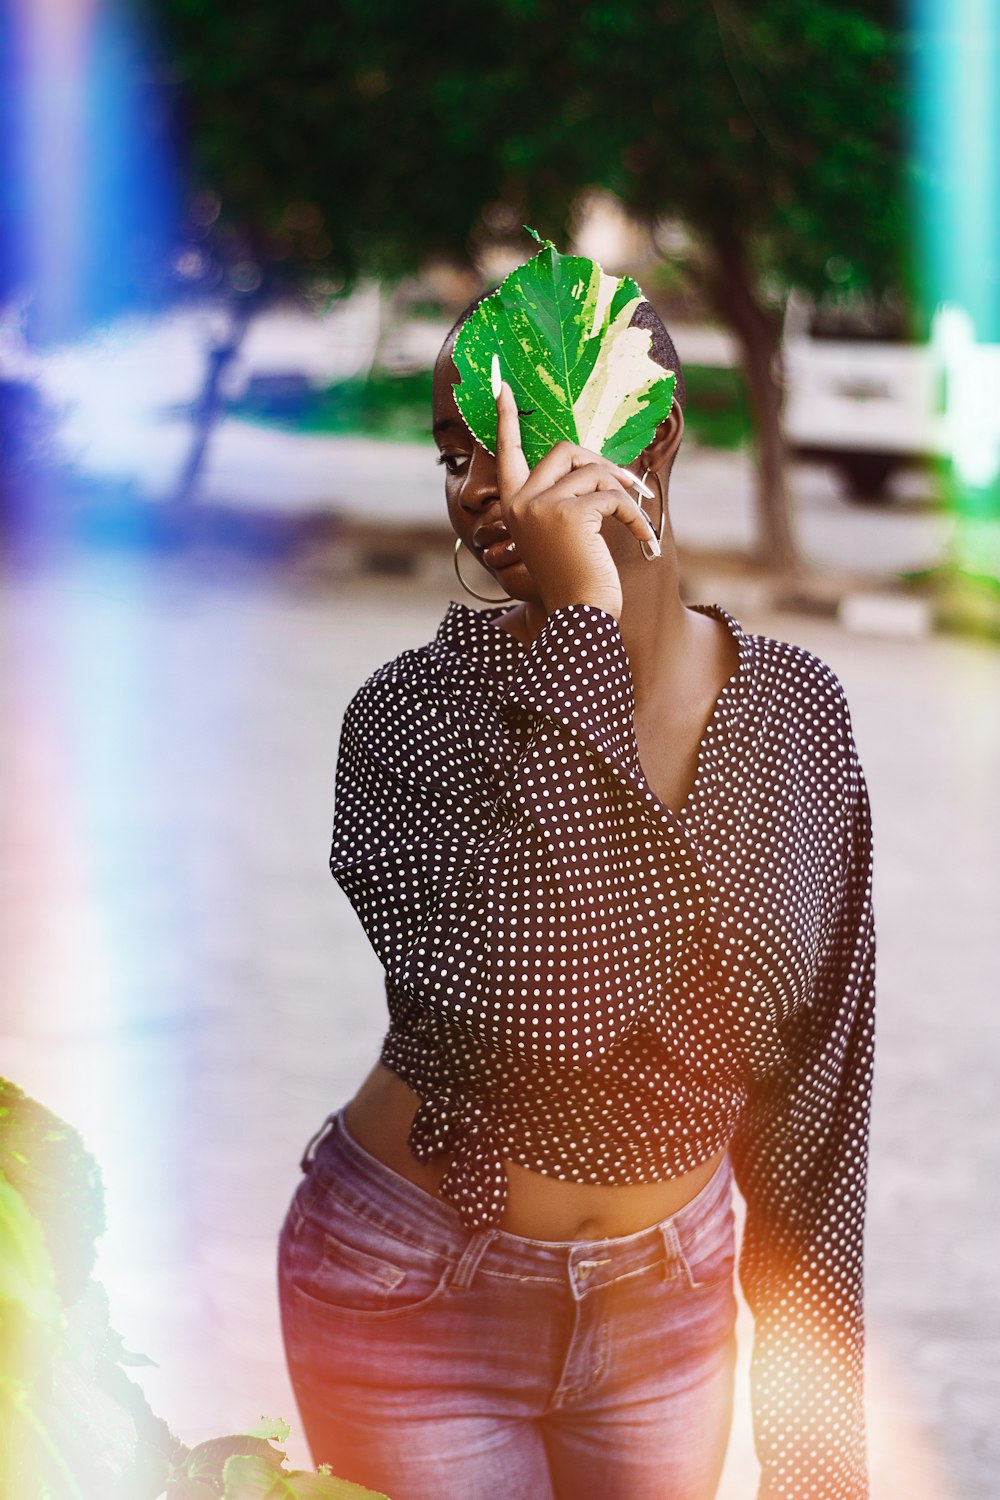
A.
x: 653, y: 545
x: 642, y: 487
x: 496, y: 379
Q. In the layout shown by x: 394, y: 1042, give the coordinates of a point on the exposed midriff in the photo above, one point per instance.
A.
x: 538, y: 1206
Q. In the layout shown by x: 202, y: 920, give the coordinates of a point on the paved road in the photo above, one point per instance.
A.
x: 123, y: 396
x: 183, y: 980
x: 711, y: 502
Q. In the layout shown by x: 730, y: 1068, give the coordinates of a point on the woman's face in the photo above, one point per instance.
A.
x: 473, y: 497
x: 470, y: 486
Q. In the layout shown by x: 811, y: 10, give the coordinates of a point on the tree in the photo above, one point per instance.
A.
x: 776, y: 137
x: 771, y: 131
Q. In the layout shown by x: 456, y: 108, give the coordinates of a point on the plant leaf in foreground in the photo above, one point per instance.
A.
x: 579, y: 371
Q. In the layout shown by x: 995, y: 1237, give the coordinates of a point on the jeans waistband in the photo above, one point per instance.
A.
x: 403, y: 1211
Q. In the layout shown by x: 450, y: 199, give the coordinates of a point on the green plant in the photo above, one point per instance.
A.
x: 396, y: 408
x: 73, y: 1426
x: 392, y: 407
x: 717, y: 414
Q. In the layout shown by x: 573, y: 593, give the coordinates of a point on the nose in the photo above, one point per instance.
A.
x: 481, y: 488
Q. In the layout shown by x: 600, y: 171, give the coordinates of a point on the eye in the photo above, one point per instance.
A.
x: 455, y: 463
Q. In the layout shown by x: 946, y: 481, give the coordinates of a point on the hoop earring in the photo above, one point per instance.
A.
x: 486, y: 598
x: 651, y: 556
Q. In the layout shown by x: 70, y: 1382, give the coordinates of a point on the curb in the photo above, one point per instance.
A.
x: 898, y: 606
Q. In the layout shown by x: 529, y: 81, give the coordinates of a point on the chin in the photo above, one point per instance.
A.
x: 518, y: 583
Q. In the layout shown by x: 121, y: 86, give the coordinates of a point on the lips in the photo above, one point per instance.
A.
x: 494, y: 546
x: 488, y: 533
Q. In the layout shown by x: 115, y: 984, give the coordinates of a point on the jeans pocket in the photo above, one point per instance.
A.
x: 368, y: 1276
x: 709, y: 1251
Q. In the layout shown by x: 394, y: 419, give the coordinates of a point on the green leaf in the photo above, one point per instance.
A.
x: 561, y: 328
x: 274, y: 1429
x: 250, y: 1479
x: 208, y: 1459
x: 26, y: 1274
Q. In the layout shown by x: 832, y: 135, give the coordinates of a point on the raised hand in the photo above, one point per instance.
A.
x: 555, y: 511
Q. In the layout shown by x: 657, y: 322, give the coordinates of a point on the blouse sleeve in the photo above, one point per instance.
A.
x: 800, y: 1157
x: 543, y: 915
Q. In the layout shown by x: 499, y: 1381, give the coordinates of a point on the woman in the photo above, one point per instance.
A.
x: 614, y: 854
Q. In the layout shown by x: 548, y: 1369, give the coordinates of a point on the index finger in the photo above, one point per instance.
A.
x: 512, y: 466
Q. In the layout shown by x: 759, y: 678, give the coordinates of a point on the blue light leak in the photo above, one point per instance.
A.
x: 956, y: 135
x: 89, y: 209
x: 93, y: 200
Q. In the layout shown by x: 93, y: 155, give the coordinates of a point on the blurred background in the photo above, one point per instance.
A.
x: 231, y: 241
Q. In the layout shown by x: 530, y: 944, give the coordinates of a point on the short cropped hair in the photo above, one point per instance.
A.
x: 662, y: 350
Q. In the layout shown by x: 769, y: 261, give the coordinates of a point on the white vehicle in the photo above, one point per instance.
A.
x: 860, y: 398
x: 870, y: 402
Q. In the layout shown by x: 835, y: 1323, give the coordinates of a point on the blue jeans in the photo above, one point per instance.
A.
x: 433, y: 1362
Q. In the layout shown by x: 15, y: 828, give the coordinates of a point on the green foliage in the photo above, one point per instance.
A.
x: 27, y: 1279
x: 73, y: 1426
x: 31, y: 1319
x: 375, y: 133
x: 393, y: 407
x: 274, y: 1429
x: 203, y: 1467
x: 716, y: 412
x: 71, y: 1423
x: 244, y: 1466
x: 253, y: 1479
x: 397, y: 408
x: 45, y: 1160
x: 559, y: 327
x: 778, y: 129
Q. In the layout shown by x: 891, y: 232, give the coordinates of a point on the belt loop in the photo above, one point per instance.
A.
x: 676, y: 1262
x: 673, y: 1255
x: 307, y: 1158
x: 468, y: 1262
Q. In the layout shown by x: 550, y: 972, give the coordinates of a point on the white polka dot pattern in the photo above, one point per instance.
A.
x: 587, y: 983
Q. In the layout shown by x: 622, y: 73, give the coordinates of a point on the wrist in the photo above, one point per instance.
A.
x: 593, y: 599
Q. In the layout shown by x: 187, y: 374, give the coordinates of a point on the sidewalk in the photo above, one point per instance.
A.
x: 265, y: 470
x: 184, y: 982
x: 124, y: 392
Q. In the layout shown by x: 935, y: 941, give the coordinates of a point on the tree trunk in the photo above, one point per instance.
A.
x: 389, y: 317
x: 758, y: 332
x: 206, y: 413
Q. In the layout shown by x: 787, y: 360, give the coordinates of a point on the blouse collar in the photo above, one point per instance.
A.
x: 497, y: 653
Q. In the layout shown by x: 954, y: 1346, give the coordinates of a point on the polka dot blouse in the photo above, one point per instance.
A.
x: 584, y: 982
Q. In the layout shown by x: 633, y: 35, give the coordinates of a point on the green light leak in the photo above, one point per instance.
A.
x: 956, y: 76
